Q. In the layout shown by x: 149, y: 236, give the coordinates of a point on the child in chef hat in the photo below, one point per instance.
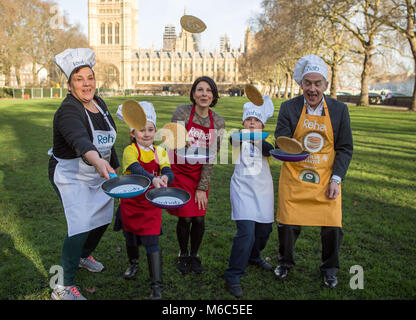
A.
x: 252, y: 198
x: 140, y: 220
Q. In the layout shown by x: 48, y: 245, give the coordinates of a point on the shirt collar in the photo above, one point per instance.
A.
x: 318, y: 109
x: 146, y: 148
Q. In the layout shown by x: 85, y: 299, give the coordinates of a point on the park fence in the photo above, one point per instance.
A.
x: 59, y: 93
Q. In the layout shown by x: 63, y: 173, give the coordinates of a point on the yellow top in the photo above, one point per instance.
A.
x: 131, y: 155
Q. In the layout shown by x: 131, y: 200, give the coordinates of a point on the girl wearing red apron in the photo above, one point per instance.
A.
x: 140, y: 220
x: 202, y: 125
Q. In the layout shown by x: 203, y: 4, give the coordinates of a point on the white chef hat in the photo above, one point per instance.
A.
x: 262, y: 112
x: 70, y: 59
x: 148, y: 109
x: 309, y: 64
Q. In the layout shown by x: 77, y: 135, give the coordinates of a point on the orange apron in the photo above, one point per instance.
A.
x: 302, y: 196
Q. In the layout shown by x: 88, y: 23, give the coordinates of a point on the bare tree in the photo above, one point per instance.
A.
x: 400, y: 15
x: 362, y: 18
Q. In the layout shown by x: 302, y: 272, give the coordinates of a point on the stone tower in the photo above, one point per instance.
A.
x: 113, y: 35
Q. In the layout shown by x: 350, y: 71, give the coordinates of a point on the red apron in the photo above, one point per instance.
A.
x: 138, y: 215
x: 187, y: 175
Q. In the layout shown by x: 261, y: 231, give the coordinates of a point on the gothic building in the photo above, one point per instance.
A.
x: 113, y: 35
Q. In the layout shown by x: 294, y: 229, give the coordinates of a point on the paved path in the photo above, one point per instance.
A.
x: 382, y: 106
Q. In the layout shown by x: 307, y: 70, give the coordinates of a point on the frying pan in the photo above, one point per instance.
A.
x: 290, y: 157
x: 132, y: 179
x: 195, y: 154
x: 175, y: 197
x: 249, y: 136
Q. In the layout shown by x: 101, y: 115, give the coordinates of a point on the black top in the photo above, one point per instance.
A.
x: 290, y: 112
x: 72, y: 135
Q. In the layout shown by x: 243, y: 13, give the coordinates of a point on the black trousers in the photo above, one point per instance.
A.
x: 331, y: 238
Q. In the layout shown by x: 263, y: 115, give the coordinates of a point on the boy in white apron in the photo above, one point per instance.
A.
x: 252, y: 197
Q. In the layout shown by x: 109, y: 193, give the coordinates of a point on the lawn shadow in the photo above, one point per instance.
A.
x: 14, y: 280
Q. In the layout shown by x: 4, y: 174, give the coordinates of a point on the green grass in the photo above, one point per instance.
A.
x: 379, y: 216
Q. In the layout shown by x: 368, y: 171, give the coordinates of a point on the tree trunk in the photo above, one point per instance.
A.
x: 34, y: 74
x: 365, y: 76
x: 412, y: 42
x: 334, y: 76
x: 292, y: 88
x: 7, y: 70
x: 285, y: 96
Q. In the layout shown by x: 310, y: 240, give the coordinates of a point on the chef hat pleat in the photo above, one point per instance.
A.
x: 263, y: 112
x: 309, y: 64
x: 70, y: 59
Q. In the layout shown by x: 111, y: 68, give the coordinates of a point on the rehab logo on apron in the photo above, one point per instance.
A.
x: 302, y: 196
x: 86, y: 206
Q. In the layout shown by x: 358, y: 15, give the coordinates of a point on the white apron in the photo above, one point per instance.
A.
x: 86, y: 206
x: 251, y: 187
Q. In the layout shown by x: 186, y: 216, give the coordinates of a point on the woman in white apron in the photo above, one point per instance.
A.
x: 252, y: 198
x: 83, y: 156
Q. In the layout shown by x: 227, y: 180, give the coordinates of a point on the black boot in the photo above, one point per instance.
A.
x: 130, y: 273
x: 154, y: 261
x: 133, y: 255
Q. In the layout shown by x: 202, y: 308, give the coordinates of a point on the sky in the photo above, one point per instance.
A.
x: 229, y: 17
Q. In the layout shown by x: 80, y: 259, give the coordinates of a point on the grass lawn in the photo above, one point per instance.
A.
x: 379, y: 216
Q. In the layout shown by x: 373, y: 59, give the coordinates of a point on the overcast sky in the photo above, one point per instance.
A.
x: 221, y: 16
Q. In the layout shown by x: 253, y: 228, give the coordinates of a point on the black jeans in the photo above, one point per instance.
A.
x: 250, y: 239
x: 331, y: 238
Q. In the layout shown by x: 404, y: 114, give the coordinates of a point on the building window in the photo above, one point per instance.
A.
x: 117, y: 33
x: 110, y: 33
x: 103, y: 33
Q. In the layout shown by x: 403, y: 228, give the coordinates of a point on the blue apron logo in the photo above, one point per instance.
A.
x: 105, y: 139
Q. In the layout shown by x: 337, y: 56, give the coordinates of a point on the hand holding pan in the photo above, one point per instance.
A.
x: 174, y: 136
x: 133, y: 114
x: 253, y: 95
x: 128, y: 186
x: 192, y: 24
x: 168, y: 198
x: 289, y: 150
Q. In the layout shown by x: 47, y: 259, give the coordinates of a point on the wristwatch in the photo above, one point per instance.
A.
x: 336, y: 181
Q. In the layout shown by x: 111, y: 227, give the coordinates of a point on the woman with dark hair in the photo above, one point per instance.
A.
x: 204, y: 128
x: 83, y: 155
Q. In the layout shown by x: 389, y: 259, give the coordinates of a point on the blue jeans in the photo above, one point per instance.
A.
x: 250, y: 239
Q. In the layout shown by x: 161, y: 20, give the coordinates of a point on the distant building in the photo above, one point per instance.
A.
x: 113, y: 35
x: 225, y: 44
x: 25, y: 75
x: 169, y: 38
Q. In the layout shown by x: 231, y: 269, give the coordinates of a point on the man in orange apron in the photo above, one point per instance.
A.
x: 310, y: 190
